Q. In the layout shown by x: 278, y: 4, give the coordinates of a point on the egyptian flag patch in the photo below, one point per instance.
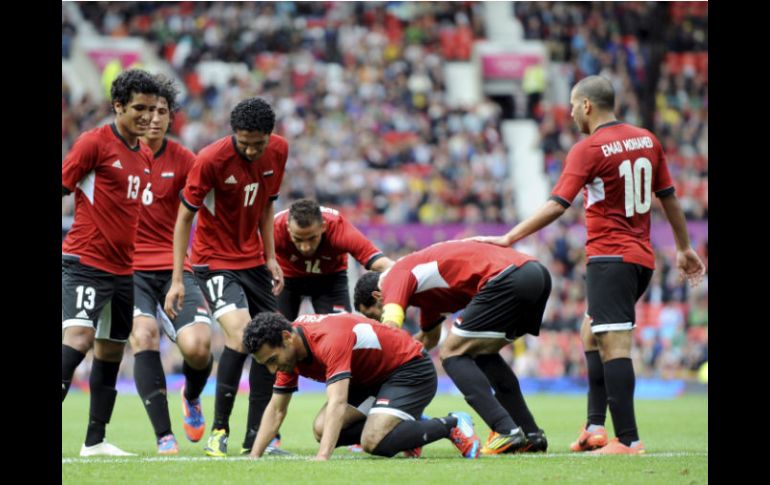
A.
x: 338, y: 309
x: 167, y: 175
x: 269, y: 173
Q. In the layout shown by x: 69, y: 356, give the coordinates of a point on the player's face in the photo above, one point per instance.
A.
x: 578, y: 112
x: 306, y: 239
x: 160, y: 121
x: 133, y: 118
x: 277, y: 358
x: 251, y: 143
x: 374, y: 312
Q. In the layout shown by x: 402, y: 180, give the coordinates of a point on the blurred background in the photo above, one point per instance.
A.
x: 428, y: 121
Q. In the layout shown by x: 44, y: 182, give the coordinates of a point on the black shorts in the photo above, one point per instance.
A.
x: 328, y: 294
x: 94, y: 298
x: 227, y: 290
x: 150, y: 289
x: 612, y: 289
x: 405, y: 393
x: 508, y: 306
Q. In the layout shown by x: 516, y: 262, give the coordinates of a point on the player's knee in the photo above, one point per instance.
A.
x: 108, y: 351
x: 197, y: 353
x: 145, y: 337
x: 369, y: 442
x: 318, y: 427
x: 79, y: 338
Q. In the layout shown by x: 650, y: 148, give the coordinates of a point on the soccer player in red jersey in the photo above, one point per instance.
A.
x: 378, y: 382
x: 232, y: 186
x: 153, y: 262
x: 503, y: 293
x: 312, y: 244
x: 618, y: 166
x: 106, y: 168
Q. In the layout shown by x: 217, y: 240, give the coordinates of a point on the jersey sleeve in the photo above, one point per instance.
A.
x: 398, y: 286
x: 350, y: 239
x: 285, y: 382
x: 573, y: 177
x: 663, y: 184
x: 273, y: 184
x: 82, y: 158
x: 200, y: 180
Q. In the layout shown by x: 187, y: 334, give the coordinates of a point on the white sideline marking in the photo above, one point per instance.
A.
x: 539, y: 456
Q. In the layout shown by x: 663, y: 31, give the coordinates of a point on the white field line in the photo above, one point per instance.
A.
x: 528, y: 456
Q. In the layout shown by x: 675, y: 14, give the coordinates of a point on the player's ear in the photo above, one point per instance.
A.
x: 286, y: 336
x: 377, y: 295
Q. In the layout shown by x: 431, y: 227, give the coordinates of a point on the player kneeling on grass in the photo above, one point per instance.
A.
x: 378, y: 382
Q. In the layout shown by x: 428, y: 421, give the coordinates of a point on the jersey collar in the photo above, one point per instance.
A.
x: 120, y: 137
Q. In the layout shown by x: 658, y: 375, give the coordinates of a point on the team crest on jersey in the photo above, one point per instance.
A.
x: 231, y: 180
x: 167, y: 175
x: 117, y: 164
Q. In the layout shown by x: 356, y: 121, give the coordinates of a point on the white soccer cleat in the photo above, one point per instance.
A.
x: 103, y: 449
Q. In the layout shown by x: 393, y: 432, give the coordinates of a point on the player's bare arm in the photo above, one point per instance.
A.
x: 382, y: 264
x: 430, y: 338
x: 337, y: 403
x: 273, y: 417
x: 175, y: 296
x: 690, y: 265
x: 549, y: 212
x: 268, y: 240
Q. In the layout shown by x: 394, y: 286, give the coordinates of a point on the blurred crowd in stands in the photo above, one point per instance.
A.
x: 359, y: 92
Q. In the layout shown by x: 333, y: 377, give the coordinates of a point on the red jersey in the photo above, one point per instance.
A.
x: 348, y: 346
x: 234, y: 192
x: 157, y: 216
x: 618, y: 167
x: 340, y: 238
x: 108, y: 177
x: 444, y: 277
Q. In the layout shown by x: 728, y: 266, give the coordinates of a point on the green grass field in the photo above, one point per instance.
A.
x: 675, y: 433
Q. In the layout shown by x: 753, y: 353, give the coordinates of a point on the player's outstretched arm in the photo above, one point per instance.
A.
x: 549, y: 212
x: 272, y: 418
x: 691, y: 268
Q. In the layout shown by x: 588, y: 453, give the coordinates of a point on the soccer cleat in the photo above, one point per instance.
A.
x: 588, y: 441
x: 536, y: 443
x: 500, y: 443
x: 463, y: 436
x: 167, y: 445
x: 194, y: 423
x: 413, y: 453
x: 615, y: 447
x: 103, y: 449
x: 356, y: 448
x: 217, y: 444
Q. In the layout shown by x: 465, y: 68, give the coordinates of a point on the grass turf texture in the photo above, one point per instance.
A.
x: 675, y: 433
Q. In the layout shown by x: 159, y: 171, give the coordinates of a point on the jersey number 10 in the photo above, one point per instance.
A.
x: 638, y: 187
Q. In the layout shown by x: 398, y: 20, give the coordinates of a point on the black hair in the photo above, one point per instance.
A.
x: 598, y: 90
x: 365, y: 285
x: 253, y: 114
x: 133, y: 81
x: 305, y: 212
x: 265, y: 328
x: 167, y: 89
